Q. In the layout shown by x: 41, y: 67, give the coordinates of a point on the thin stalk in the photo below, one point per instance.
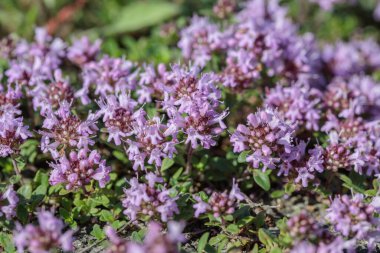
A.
x: 16, y: 169
x: 189, y: 157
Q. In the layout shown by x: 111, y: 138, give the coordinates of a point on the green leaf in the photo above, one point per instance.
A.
x: 233, y: 229
x: 22, y: 213
x: 6, y: 243
x: 107, y: 216
x: 245, y: 221
x: 277, y: 194
x: 243, y: 157
x: 141, y: 14
x: 266, y: 238
x: 217, y: 239
x: 14, y: 179
x: 97, y: 232
x: 202, y: 242
x: 260, y: 219
x: 25, y: 191
x: 41, y: 178
x: 166, y: 164
x: 276, y: 250
x: 120, y: 156
x: 262, y: 179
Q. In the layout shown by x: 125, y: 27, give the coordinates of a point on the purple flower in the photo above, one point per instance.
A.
x: 50, y: 96
x: 223, y: 8
x: 155, y: 240
x: 44, y: 237
x: 35, y: 62
x: 107, y: 76
x: 219, y: 203
x: 352, y: 217
x: 63, y: 130
x: 8, y: 203
x: 265, y: 136
x: 147, y: 140
x: 12, y: 130
x: 305, y: 227
x: 83, y: 51
x: 199, y: 40
x: 302, y: 166
x: 355, y: 57
x: 79, y: 169
x: 299, y: 104
x: 357, y: 96
x: 152, y: 83
x: 118, y: 116
x: 143, y: 199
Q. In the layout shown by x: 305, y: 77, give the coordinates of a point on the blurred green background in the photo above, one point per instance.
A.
x: 147, y: 30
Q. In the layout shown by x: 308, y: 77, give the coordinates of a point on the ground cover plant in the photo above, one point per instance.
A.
x: 213, y: 126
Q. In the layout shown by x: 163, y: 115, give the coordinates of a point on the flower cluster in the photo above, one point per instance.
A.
x: 63, y: 130
x: 49, y: 96
x: 149, y: 200
x: 82, y: 51
x: 353, y: 218
x: 263, y: 43
x: 13, y: 132
x: 219, y: 203
x: 106, y: 76
x: 44, y: 237
x: 298, y: 104
x: 34, y: 62
x: 192, y: 103
x: 349, y: 58
x: 79, y: 169
x: 265, y: 136
x: 155, y: 240
x: 8, y: 203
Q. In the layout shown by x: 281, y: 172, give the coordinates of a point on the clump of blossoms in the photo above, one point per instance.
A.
x: 152, y: 83
x: 265, y: 137
x: 13, y: 132
x: 192, y: 104
x: 357, y: 96
x: 49, y: 96
x: 302, y: 166
x: 366, y: 155
x: 106, y: 76
x: 223, y: 8
x: 219, y: 203
x: 118, y: 116
x: 263, y: 43
x: 34, y: 62
x: 199, y: 40
x: 47, y: 235
x: 298, y: 104
x: 354, y: 218
x: 303, y: 226
x: 144, y: 200
x: 349, y: 58
x: 8, y: 203
x: 337, y: 154
x: 309, y: 235
x: 79, y: 169
x: 82, y: 51
x: 62, y: 130
x: 338, y: 244
x: 155, y: 240
x: 149, y: 141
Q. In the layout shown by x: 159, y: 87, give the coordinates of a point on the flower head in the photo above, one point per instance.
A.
x: 45, y: 236
x: 79, y: 169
